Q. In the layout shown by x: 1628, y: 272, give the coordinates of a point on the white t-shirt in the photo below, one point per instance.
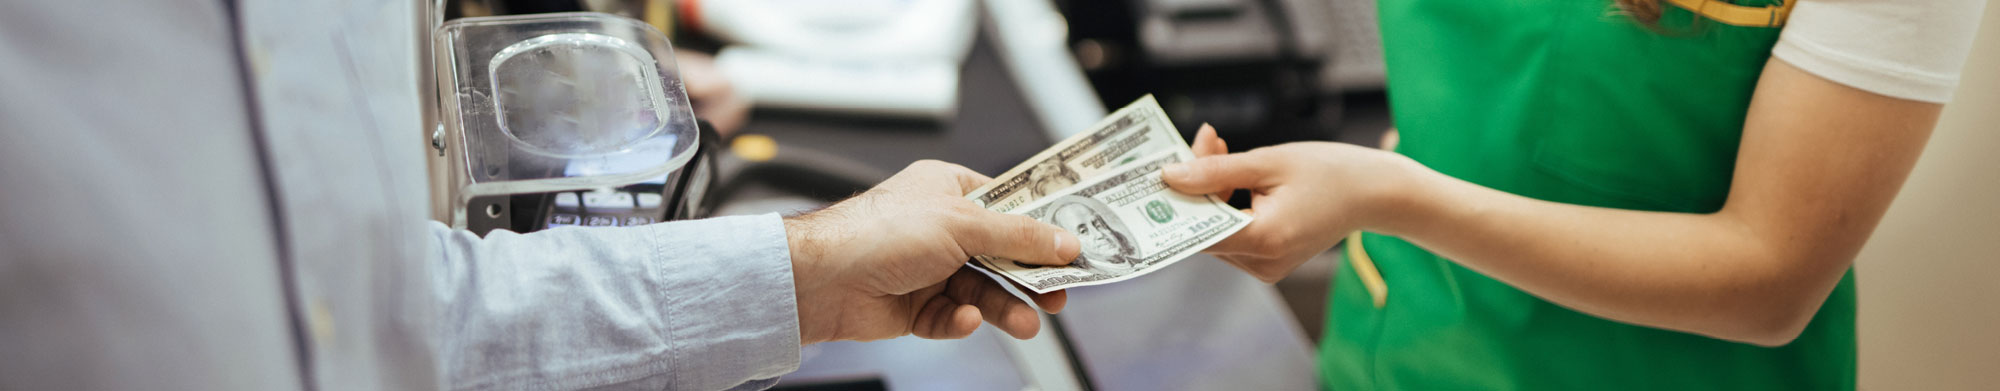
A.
x: 1910, y: 49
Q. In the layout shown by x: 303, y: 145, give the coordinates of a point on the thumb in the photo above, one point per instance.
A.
x: 1213, y: 174
x: 1015, y: 237
x: 1207, y: 143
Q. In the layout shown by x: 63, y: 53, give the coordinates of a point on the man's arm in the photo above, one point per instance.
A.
x: 704, y: 304
x: 726, y: 302
x: 1818, y: 166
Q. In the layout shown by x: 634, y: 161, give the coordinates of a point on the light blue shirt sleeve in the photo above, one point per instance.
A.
x: 690, y: 305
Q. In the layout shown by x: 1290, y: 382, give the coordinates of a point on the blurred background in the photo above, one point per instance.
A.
x: 812, y: 101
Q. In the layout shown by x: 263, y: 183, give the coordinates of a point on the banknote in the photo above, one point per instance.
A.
x: 1129, y: 224
x: 1139, y: 129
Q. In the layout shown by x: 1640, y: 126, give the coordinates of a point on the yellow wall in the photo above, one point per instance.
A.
x: 1930, y: 277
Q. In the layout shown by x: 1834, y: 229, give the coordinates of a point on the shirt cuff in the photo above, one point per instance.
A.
x: 732, y: 312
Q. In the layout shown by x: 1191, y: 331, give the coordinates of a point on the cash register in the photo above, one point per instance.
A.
x: 564, y: 119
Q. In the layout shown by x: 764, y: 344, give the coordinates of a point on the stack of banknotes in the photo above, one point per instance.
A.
x: 1104, y: 185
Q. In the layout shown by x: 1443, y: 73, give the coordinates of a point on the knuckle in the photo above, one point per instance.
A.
x: 920, y: 167
x: 1027, y: 230
x: 953, y: 217
x: 962, y: 207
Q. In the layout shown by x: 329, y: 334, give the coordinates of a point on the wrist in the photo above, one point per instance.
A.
x: 1411, y: 198
x: 808, y: 283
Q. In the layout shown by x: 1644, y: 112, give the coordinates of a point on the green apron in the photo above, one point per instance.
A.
x: 1566, y: 101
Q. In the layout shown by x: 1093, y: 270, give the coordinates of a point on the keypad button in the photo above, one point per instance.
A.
x: 600, y: 200
x: 567, y: 200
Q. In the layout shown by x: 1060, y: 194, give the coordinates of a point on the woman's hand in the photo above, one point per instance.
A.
x: 714, y: 99
x: 1305, y: 196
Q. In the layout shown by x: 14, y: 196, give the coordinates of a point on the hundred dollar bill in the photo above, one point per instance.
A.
x: 1139, y: 129
x: 1129, y: 224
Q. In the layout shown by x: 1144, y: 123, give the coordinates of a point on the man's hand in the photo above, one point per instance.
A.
x: 890, y: 261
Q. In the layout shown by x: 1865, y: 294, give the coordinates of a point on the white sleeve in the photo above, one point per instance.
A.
x: 1910, y: 49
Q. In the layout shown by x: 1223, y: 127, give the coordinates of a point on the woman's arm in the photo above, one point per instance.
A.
x: 1818, y: 165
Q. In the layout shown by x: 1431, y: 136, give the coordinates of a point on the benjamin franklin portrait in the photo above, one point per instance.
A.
x: 1106, y: 242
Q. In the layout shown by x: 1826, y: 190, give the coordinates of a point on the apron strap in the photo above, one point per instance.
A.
x: 1364, y: 267
x: 1737, y: 15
